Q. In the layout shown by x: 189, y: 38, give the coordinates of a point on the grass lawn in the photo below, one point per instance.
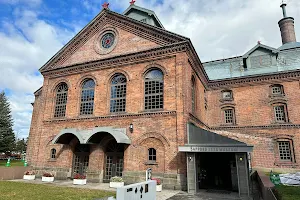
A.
x: 288, y: 192
x: 13, y: 163
x: 27, y: 191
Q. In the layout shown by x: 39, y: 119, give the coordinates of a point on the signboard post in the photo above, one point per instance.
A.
x: 148, y: 174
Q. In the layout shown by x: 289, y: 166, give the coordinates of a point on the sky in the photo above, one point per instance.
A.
x: 32, y: 31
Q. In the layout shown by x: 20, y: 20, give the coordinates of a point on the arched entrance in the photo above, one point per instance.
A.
x: 111, y: 141
x: 81, y: 159
x: 114, y: 160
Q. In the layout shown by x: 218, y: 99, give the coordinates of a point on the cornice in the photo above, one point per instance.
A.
x: 38, y: 92
x: 220, y: 128
x: 255, y: 80
x: 116, y: 61
x: 120, y: 116
x: 193, y: 118
x: 272, y: 126
x: 196, y: 64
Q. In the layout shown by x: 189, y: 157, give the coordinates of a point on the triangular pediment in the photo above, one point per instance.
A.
x: 260, y: 46
x: 130, y: 36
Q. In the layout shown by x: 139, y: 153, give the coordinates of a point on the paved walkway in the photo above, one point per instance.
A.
x: 163, y: 195
x: 204, y: 196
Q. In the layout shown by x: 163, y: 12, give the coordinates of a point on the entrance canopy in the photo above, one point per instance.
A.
x: 200, y: 140
x: 91, y: 136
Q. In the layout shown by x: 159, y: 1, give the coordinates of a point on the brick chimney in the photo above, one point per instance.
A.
x: 286, y: 25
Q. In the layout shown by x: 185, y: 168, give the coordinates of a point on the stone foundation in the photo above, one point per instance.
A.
x: 95, y: 176
x: 169, y: 181
x: 59, y: 173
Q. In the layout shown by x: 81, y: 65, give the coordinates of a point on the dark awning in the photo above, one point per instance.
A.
x: 200, y: 140
x: 93, y: 135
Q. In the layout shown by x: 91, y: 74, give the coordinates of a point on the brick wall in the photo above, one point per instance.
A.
x: 252, y: 105
x: 160, y: 130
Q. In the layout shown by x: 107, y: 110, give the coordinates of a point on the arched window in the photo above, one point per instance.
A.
x: 118, y: 94
x: 280, y: 112
x: 152, y: 155
x: 229, y: 115
x: 61, y: 100
x: 285, y: 150
x: 154, y: 90
x: 53, y: 154
x: 87, y: 97
x: 193, y: 94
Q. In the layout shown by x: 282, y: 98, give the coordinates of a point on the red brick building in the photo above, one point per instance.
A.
x: 125, y: 95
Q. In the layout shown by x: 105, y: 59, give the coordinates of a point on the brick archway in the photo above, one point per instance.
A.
x: 158, y: 136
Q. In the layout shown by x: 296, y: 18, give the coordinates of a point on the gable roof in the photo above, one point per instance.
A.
x: 259, y: 45
x: 151, y: 13
x: 165, y: 37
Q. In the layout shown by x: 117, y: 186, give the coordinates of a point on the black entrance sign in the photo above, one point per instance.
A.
x: 214, y: 149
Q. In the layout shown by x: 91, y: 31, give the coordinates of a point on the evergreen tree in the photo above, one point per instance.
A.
x: 7, y: 136
x: 21, y: 145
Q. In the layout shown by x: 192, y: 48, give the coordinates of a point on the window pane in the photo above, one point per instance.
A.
x: 154, y: 90
x: 227, y: 95
x: 279, y: 113
x: 151, y: 154
x: 61, y: 100
x: 228, y: 116
x: 87, y: 97
x: 285, y: 150
x: 53, y: 153
x: 118, y: 94
x: 277, y: 90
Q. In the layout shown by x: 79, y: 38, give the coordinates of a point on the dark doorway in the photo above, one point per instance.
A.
x: 217, y: 171
x: 81, y: 159
x: 114, y: 161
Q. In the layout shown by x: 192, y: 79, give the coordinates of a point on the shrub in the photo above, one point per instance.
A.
x: 29, y: 173
x: 116, y: 179
x: 48, y: 174
x: 158, y: 181
x: 79, y: 176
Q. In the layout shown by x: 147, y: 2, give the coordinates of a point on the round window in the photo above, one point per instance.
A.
x: 107, y: 40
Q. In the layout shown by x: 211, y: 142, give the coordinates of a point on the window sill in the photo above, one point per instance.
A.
x: 86, y: 116
x: 59, y: 118
x: 281, y: 123
x: 226, y: 100
x: 276, y: 95
x: 118, y: 113
x: 288, y: 164
x: 225, y: 125
x: 150, y: 111
x: 52, y: 160
x: 151, y: 163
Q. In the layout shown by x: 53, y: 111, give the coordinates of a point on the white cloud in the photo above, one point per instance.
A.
x: 217, y: 29
x: 26, y: 45
x: 224, y: 28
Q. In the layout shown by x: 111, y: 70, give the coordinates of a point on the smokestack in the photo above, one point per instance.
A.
x: 286, y: 25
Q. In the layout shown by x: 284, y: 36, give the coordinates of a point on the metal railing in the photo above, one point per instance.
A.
x: 270, y: 195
